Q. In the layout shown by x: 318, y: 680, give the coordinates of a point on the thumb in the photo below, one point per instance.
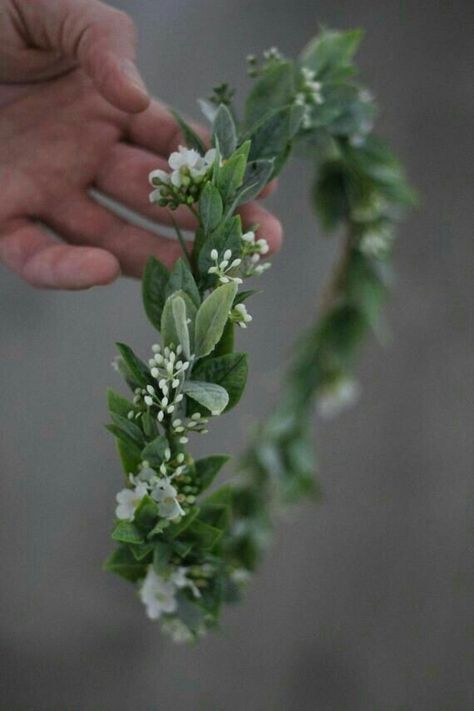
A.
x: 97, y: 37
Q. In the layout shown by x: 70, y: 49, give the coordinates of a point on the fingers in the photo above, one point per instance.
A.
x: 81, y: 220
x: 96, y: 36
x: 124, y: 177
x: 42, y: 262
x: 156, y: 129
x: 269, y: 227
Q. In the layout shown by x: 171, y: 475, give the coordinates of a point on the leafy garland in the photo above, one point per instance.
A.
x: 187, y: 551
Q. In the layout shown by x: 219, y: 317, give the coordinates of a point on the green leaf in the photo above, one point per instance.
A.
x: 181, y: 279
x: 127, y: 532
x: 330, y: 51
x: 154, y: 452
x: 271, y: 137
x: 190, y: 136
x: 128, y: 428
x: 169, y: 331
x: 229, y: 371
x: 208, y: 468
x: 274, y: 90
x: 230, y: 177
x: 180, y: 321
x: 244, y: 295
x: 161, y: 557
x: 211, y: 318
x: 146, y: 514
x: 210, y: 207
x: 129, y: 454
x: 207, y: 536
x: 257, y: 175
x: 142, y: 550
x: 178, y: 528
x: 212, y: 396
x: 123, y: 563
x: 137, y: 371
x: 155, y: 279
x: 224, y: 131
x: 118, y: 404
x: 226, y: 342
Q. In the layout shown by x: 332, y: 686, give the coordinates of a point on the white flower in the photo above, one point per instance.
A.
x: 177, y: 630
x: 158, y: 177
x: 165, y: 495
x: 336, y: 397
x: 223, y: 268
x: 180, y: 579
x: 158, y: 595
x: 187, y: 161
x: 128, y: 500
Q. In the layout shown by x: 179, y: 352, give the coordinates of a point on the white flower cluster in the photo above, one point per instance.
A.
x: 271, y: 57
x: 337, y: 396
x: 308, y: 96
x: 157, y: 485
x: 252, y: 251
x: 158, y: 592
x: 376, y: 242
x: 189, y: 171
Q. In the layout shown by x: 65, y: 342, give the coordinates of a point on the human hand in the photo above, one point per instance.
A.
x: 83, y: 120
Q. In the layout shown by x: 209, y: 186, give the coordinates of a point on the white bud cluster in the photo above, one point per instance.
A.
x: 337, y: 396
x: 195, y: 423
x: 240, y: 315
x: 376, y: 243
x: 223, y: 268
x: 308, y: 96
x: 252, y: 251
x: 168, y: 368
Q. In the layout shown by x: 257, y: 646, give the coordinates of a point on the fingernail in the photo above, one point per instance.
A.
x: 131, y: 72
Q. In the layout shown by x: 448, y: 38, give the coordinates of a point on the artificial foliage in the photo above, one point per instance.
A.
x: 188, y: 551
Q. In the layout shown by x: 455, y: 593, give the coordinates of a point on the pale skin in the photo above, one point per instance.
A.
x: 75, y: 115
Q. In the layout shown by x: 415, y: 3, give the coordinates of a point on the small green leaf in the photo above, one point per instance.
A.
x: 128, y: 428
x: 271, y: 137
x: 178, y: 528
x: 257, y: 175
x: 231, y: 176
x: 330, y: 51
x: 127, y: 532
x: 137, y: 371
x: 180, y: 321
x: 224, y: 131
x: 210, y: 207
x: 129, y: 454
x: 206, y: 535
x: 211, y: 318
x: 190, y: 136
x: 274, y: 90
x: 161, y: 556
x: 226, y: 343
x: 229, y: 371
x: 155, y: 279
x: 169, y: 331
x: 208, y: 468
x: 118, y: 404
x: 154, y: 452
x: 146, y: 514
x: 210, y: 395
x: 181, y: 279
x: 123, y: 563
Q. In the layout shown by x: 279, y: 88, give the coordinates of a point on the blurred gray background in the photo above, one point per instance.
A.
x: 363, y: 600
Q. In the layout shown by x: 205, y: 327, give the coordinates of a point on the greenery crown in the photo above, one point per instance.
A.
x: 189, y: 552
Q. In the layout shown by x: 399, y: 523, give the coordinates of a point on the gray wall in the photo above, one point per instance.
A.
x: 363, y: 601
